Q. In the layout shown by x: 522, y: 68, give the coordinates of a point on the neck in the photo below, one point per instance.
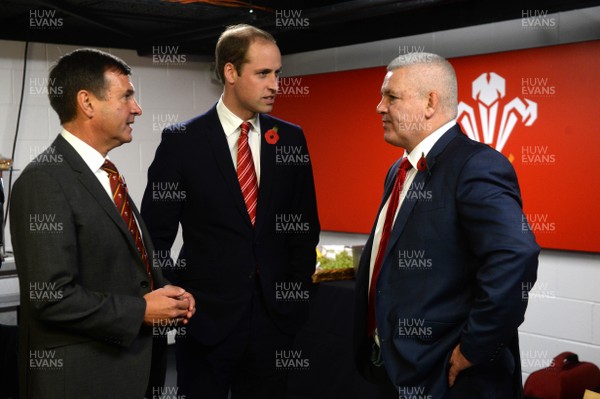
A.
x: 230, y: 102
x: 85, y: 134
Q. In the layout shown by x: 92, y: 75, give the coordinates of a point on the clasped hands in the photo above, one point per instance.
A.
x: 169, y: 305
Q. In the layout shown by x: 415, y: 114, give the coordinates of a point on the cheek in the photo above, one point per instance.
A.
x: 396, y: 114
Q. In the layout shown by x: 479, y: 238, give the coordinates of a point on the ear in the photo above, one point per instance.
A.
x: 433, y: 102
x: 230, y: 73
x: 85, y: 103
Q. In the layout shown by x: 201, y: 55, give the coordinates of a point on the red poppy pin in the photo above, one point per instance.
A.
x: 422, y: 164
x: 271, y: 135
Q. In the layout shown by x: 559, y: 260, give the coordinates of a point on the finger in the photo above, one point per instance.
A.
x: 192, y: 303
x: 188, y: 297
x: 173, y: 291
x: 182, y: 304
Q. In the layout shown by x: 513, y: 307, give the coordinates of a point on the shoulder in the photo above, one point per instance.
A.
x: 53, y: 161
x: 268, y: 122
x: 464, y: 151
x: 194, y: 125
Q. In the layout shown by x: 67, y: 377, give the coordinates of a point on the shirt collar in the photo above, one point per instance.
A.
x: 423, y: 148
x: 231, y: 122
x: 91, y: 157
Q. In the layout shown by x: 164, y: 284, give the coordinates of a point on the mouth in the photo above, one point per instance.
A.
x: 269, y: 99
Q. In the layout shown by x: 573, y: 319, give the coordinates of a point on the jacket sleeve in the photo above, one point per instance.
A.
x: 165, y: 179
x: 303, y: 246
x: 491, y: 216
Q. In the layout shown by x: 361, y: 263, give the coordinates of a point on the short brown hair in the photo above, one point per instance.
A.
x: 82, y: 69
x: 233, y: 45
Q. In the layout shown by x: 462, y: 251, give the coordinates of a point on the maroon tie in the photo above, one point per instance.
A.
x: 246, y: 172
x: 121, y: 199
x: 385, y: 236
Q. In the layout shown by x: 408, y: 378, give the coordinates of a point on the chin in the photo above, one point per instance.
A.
x: 126, y: 138
x: 392, y: 141
x: 265, y: 109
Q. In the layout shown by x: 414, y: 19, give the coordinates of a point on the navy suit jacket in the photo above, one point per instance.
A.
x: 221, y: 249
x: 457, y: 269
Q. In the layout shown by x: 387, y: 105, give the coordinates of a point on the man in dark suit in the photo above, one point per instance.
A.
x: 442, y: 286
x: 88, y: 295
x: 246, y: 259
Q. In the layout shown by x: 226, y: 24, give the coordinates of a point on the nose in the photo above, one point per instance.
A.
x: 137, y: 110
x: 382, y: 106
x: 274, y: 83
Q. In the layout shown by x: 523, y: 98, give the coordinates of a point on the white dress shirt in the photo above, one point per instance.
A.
x: 422, y: 149
x: 91, y: 157
x: 231, y: 126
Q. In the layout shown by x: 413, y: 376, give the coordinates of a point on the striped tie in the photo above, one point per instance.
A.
x: 121, y: 199
x: 246, y: 172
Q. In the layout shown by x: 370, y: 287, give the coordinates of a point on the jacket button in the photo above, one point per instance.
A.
x: 144, y: 284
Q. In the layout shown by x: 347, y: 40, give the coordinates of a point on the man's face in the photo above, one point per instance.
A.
x: 402, y: 110
x: 255, y: 84
x: 115, y: 113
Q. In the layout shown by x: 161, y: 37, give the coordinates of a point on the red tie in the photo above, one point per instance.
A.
x: 246, y: 172
x: 121, y: 199
x: 385, y: 236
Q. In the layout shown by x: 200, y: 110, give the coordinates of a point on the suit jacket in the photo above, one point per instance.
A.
x: 192, y: 181
x: 82, y: 283
x: 459, y: 263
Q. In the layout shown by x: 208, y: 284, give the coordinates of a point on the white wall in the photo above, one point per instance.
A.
x: 565, y: 313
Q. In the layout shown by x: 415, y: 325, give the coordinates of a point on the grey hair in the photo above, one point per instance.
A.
x: 435, y: 74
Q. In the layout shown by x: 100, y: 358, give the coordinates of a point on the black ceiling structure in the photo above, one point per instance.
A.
x: 298, y: 25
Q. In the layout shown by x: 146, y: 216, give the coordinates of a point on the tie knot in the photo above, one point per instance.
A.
x: 405, y: 164
x: 109, y: 167
x: 245, y: 127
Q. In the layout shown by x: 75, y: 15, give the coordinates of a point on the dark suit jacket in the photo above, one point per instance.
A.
x: 81, y: 281
x: 458, y: 266
x: 192, y: 181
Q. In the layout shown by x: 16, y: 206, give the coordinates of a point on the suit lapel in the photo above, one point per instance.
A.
x: 420, y: 180
x: 91, y: 183
x: 218, y: 142
x: 267, y: 170
x: 365, y: 260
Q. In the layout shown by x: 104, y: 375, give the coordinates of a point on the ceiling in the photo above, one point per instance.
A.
x: 298, y: 25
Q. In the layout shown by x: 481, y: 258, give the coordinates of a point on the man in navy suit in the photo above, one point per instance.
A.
x: 450, y: 286
x: 248, y: 265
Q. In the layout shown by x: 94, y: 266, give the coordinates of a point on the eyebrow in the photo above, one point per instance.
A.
x: 391, y: 92
x: 267, y: 70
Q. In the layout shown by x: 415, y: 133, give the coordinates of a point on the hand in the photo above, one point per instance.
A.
x: 168, y: 304
x: 458, y: 362
x: 192, y: 303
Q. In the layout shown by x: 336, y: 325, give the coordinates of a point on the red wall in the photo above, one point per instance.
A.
x: 554, y: 157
